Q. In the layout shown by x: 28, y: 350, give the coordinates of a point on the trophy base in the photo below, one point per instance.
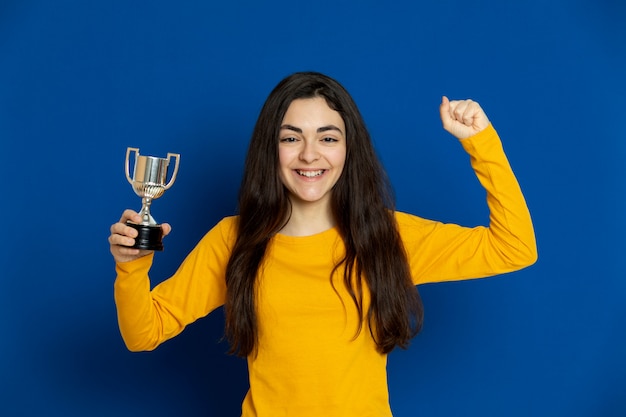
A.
x: 149, y: 237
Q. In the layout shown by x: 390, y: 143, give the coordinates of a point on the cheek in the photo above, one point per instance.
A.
x: 284, y: 157
x: 339, y: 159
x: 283, y: 166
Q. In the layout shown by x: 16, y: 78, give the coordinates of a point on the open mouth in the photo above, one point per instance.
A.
x: 310, y: 174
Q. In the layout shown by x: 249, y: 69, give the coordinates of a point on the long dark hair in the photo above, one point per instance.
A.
x: 362, y: 204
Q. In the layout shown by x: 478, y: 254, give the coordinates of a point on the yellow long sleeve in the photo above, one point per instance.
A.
x: 446, y: 252
x: 310, y: 360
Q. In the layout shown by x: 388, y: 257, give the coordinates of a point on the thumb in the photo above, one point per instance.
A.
x: 444, y: 110
x: 166, y: 229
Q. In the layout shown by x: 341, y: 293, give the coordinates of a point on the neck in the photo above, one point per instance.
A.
x: 308, y: 219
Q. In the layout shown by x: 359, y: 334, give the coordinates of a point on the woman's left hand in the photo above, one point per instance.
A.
x: 462, y: 118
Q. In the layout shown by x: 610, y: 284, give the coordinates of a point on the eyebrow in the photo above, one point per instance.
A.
x: 319, y: 130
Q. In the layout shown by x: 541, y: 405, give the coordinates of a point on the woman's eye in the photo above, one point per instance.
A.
x: 329, y: 140
x: 288, y: 140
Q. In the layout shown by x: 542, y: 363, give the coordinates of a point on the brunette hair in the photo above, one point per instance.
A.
x: 362, y: 203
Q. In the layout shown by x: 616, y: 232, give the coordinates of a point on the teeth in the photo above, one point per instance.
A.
x: 310, y: 174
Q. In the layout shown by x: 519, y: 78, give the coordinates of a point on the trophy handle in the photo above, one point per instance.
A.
x: 171, y: 181
x: 128, y: 151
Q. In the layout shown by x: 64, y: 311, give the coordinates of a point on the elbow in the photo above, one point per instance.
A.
x: 525, y: 255
x: 532, y: 254
x: 138, y: 347
x: 134, y: 347
x: 138, y: 344
x: 530, y: 258
x: 516, y: 254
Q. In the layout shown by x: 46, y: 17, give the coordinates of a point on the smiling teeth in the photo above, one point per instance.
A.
x: 310, y: 174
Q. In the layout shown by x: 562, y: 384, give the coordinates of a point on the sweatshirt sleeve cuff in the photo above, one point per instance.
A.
x: 139, y: 265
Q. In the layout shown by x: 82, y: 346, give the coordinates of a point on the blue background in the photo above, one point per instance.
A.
x: 80, y: 81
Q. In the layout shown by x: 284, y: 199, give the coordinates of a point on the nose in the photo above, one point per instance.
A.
x: 309, y: 151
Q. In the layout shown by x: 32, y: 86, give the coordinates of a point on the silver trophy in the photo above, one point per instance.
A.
x: 149, y: 181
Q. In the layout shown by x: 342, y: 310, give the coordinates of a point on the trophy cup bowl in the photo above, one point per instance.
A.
x: 149, y: 181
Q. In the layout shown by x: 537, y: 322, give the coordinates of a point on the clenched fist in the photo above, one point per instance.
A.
x: 462, y: 118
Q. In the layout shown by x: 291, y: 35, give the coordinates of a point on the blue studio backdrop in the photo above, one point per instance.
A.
x: 80, y: 81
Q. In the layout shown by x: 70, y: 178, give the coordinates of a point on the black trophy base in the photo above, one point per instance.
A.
x: 149, y: 237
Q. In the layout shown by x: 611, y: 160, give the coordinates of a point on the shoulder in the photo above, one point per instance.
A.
x: 413, y: 227
x: 405, y: 220
x: 228, y: 223
x: 225, y: 231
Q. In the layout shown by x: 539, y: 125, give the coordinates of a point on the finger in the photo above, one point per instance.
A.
x: 444, y: 107
x: 469, y: 113
x: 457, y: 109
x: 121, y: 239
x: 445, y: 112
x: 131, y: 215
x: 479, y: 118
x: 123, y: 229
x: 474, y: 116
x: 166, y: 229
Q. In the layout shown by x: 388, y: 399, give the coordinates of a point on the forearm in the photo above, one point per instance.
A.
x: 510, y: 230
x: 136, y: 313
x: 447, y: 252
x: 149, y: 317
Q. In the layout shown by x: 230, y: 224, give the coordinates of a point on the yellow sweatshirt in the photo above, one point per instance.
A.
x: 310, y: 361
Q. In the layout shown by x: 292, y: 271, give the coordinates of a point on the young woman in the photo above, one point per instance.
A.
x: 318, y: 272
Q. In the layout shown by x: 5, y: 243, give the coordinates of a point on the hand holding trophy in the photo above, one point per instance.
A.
x: 149, y: 181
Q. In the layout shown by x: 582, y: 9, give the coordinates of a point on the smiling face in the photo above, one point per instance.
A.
x: 312, y: 151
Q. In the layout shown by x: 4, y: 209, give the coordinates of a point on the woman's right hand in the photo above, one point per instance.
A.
x: 122, y: 236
